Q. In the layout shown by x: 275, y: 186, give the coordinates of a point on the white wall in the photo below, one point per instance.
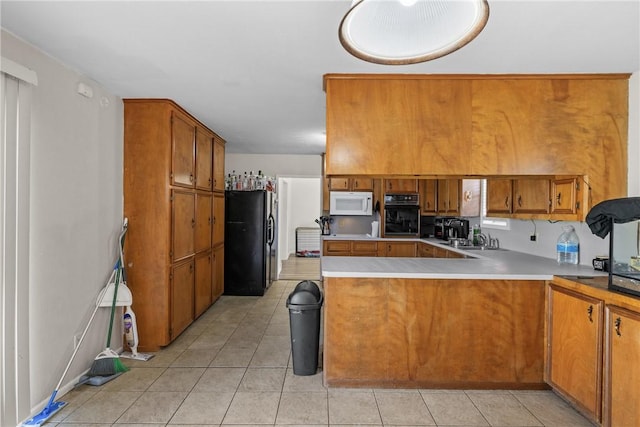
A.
x: 274, y: 164
x: 76, y: 213
x: 304, y: 201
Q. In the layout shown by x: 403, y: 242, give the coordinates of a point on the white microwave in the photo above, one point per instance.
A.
x: 350, y: 203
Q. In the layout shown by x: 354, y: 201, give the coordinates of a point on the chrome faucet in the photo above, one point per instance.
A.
x: 494, y: 243
x: 482, y: 240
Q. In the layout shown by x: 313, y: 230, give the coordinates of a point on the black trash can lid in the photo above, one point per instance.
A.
x: 302, y: 297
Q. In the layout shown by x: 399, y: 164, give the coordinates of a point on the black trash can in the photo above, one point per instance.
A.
x: 304, y: 319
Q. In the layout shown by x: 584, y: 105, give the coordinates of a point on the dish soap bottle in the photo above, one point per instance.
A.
x: 568, y: 246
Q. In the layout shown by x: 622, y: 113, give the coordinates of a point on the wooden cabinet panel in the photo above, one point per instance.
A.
x: 218, y: 219
x: 218, y: 164
x: 499, y: 196
x: 204, y: 220
x: 337, y: 184
x: 428, y: 196
x: 203, y: 286
x: 351, y: 184
x: 364, y: 248
x: 183, y: 158
x: 574, y: 339
x: 168, y: 160
x: 183, y: 223
x: 336, y: 248
x: 410, y: 125
x: 622, y: 371
x: 383, y: 332
x: 204, y: 156
x: 400, y: 249
x: 182, y: 296
x: 217, y: 284
x: 531, y: 196
x: 449, y: 196
x: 563, y: 196
x: 401, y: 185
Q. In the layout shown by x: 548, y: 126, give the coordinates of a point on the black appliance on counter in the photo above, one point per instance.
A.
x: 401, y: 215
x: 427, y: 226
x: 450, y: 228
x: 250, y: 242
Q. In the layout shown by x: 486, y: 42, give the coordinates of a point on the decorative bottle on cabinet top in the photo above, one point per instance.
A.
x: 568, y: 246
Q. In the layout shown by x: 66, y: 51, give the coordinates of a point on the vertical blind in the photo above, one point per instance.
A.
x: 15, y: 107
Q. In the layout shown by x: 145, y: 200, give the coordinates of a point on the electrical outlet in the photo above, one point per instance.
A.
x: 534, y: 237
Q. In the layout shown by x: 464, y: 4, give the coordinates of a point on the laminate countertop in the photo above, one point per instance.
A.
x: 480, y: 264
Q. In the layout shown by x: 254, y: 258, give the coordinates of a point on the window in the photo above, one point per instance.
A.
x: 490, y: 222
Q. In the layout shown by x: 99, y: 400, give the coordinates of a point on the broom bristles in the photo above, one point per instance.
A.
x: 106, y: 364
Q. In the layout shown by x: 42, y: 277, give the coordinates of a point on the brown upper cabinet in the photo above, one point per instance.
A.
x: 204, y: 166
x: 218, y: 164
x: 536, y: 197
x: 351, y: 184
x: 449, y: 196
x: 481, y: 126
x: 428, y: 196
x: 400, y: 185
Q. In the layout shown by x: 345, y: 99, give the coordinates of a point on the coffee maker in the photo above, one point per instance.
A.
x: 456, y: 228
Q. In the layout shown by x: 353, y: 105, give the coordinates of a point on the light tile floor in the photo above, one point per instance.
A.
x: 233, y: 367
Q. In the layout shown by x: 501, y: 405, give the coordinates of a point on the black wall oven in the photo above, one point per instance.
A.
x: 401, y: 215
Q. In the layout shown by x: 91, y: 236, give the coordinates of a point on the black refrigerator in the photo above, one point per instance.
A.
x: 249, y: 242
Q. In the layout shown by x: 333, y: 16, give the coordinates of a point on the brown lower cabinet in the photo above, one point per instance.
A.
x: 592, y: 349
x: 388, y: 332
x: 182, y: 297
x: 386, y: 248
x: 622, y: 373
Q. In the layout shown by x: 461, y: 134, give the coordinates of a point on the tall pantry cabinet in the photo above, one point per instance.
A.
x: 174, y: 201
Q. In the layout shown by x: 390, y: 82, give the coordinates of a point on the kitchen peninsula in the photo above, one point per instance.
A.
x: 473, y: 322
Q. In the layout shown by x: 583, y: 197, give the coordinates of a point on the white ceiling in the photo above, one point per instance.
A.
x: 252, y: 70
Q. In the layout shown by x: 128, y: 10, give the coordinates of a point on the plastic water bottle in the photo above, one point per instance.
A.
x: 568, y: 246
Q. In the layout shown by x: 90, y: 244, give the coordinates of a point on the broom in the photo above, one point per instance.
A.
x: 108, y: 362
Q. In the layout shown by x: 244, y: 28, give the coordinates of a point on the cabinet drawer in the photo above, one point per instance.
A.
x: 337, y: 247
x: 364, y: 248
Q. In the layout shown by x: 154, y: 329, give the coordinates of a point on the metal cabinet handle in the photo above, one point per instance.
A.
x: 191, y: 178
x: 559, y: 199
x: 590, y: 313
x: 506, y: 202
x: 520, y: 201
x: 618, y: 322
x: 193, y: 222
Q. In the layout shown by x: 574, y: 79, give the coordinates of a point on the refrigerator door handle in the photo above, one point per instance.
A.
x: 270, y: 230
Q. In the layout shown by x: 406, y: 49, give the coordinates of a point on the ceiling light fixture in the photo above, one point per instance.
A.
x: 398, y: 32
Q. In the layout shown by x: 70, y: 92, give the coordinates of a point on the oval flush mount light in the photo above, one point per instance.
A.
x: 398, y: 32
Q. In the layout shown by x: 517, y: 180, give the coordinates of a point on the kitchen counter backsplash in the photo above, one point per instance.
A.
x: 344, y: 224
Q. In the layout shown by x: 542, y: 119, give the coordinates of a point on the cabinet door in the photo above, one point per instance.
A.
x: 183, y: 151
x: 362, y: 184
x: 182, y: 296
x: 203, y: 285
x: 400, y: 249
x: 336, y: 247
x: 218, y: 164
x: 204, y: 220
x: 563, y: 196
x: 218, y: 219
x: 204, y: 159
x: 217, y: 284
x: 339, y: 184
x: 531, y: 196
x: 499, y: 193
x: 428, y: 196
x: 574, y: 355
x: 364, y: 248
x: 622, y: 370
x: 426, y: 251
x: 183, y: 223
x: 401, y: 185
x: 449, y: 196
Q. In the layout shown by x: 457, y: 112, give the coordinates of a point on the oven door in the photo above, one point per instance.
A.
x: 401, y: 220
